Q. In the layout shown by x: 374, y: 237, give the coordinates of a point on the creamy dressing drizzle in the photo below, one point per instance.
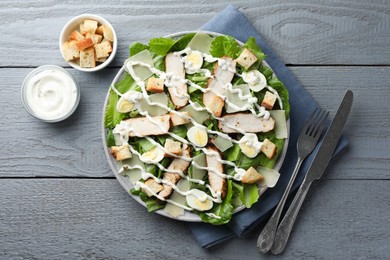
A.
x: 123, y: 129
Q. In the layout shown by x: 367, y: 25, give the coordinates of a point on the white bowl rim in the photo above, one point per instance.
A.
x: 99, y: 18
x: 39, y: 69
x: 188, y: 216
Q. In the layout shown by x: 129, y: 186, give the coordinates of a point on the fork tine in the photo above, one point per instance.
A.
x: 309, y: 121
x: 321, y: 124
x: 314, y: 121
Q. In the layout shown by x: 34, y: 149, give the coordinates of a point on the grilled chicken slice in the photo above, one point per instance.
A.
x: 176, y: 164
x: 142, y: 126
x: 247, y: 122
x: 177, y: 89
x: 217, y: 183
x: 222, y: 76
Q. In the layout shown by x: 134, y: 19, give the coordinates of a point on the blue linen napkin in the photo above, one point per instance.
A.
x: 232, y: 22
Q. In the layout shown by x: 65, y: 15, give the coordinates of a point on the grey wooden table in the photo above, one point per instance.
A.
x: 59, y: 199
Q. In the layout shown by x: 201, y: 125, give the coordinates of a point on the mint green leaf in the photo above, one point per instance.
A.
x: 161, y: 46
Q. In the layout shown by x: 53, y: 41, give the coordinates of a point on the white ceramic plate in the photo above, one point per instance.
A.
x: 125, y: 181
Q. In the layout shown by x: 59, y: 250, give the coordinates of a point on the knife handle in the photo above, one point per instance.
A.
x: 287, y: 223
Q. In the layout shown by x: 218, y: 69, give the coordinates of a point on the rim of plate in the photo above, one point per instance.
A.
x: 125, y: 181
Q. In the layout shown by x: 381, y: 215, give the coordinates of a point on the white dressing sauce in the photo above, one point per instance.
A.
x: 51, y: 94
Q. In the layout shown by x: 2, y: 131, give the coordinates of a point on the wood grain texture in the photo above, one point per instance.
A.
x: 300, y: 31
x: 73, y: 148
x: 96, y: 219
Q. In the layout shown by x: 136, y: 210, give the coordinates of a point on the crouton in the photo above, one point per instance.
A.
x: 153, y: 185
x: 251, y: 176
x: 102, y: 59
x: 107, y: 33
x: 103, y: 49
x: 84, y: 44
x: 121, y: 152
x: 96, y: 38
x: 87, y: 58
x: 217, y: 84
x: 76, y: 36
x: 269, y: 100
x: 155, y: 85
x: 99, y: 30
x: 82, y: 29
x: 173, y: 147
x: 269, y: 148
x: 178, y: 119
x: 70, y: 50
x: 214, y: 103
x: 246, y: 58
x: 90, y: 26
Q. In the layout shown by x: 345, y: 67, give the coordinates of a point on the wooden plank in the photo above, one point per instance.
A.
x: 74, y: 147
x: 301, y: 32
x: 89, y: 218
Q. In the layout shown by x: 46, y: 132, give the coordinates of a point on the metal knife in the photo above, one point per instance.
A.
x: 315, y: 171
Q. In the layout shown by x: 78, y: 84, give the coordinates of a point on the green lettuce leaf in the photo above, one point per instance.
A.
x: 223, y: 210
x: 161, y: 46
x: 110, y: 138
x: 264, y: 161
x: 145, y: 144
x: 180, y: 130
x: 137, y: 47
x: 182, y: 43
x: 159, y: 62
x: 266, y: 71
x: 225, y: 46
x: 111, y: 116
x: 250, y: 194
x: 152, y: 203
x: 283, y: 93
x: 233, y: 153
x: 253, y: 47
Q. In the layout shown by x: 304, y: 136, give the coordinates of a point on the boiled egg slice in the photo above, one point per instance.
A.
x: 198, y: 135
x: 199, y: 200
x: 255, y: 79
x: 193, y: 62
x: 154, y: 155
x: 128, y: 101
x: 250, y: 145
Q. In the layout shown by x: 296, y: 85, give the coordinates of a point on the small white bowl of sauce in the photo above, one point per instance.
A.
x: 50, y: 93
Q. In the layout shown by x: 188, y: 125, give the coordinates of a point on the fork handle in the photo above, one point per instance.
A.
x: 287, y: 223
x: 267, y: 235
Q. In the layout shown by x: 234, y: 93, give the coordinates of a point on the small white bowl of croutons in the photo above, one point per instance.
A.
x: 88, y: 42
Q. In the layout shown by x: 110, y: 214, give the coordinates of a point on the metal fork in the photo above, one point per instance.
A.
x: 307, y: 140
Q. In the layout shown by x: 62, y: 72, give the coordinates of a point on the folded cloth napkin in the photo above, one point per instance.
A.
x: 232, y: 22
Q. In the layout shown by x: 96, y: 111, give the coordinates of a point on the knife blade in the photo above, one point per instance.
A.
x: 330, y: 140
x: 316, y: 169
